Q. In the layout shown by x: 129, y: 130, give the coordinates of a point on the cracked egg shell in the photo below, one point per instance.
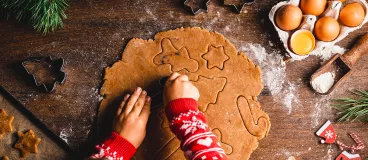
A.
x: 302, y: 42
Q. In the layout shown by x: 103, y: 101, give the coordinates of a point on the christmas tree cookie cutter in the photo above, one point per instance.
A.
x: 46, y: 72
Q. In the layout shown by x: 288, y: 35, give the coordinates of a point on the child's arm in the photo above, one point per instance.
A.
x: 129, y: 128
x: 187, y: 122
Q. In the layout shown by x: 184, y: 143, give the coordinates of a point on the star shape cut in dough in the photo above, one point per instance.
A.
x: 215, y: 57
x: 5, y: 123
x: 27, y: 143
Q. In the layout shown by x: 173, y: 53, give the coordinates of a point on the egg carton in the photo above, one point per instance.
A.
x: 308, y: 22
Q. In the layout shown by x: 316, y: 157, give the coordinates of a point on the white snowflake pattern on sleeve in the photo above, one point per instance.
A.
x: 106, y: 153
x: 189, y: 125
x: 192, y: 125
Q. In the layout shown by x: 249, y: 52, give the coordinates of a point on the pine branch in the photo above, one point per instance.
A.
x: 351, y: 109
x: 44, y: 15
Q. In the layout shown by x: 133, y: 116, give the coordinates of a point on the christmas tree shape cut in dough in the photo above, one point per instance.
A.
x: 209, y: 89
x: 5, y: 123
x: 228, y: 95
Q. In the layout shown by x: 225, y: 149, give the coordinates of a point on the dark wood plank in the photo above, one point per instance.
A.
x: 95, y: 34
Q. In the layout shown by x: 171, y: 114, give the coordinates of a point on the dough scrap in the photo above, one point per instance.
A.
x: 5, y: 123
x: 228, y: 87
x: 27, y: 143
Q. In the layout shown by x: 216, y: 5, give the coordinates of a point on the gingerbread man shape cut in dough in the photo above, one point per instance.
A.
x: 178, y: 59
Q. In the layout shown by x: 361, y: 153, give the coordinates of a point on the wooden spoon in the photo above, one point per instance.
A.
x: 342, y: 65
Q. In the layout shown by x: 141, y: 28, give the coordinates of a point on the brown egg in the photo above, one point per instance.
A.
x: 326, y: 29
x: 288, y: 17
x: 313, y: 7
x: 352, y: 15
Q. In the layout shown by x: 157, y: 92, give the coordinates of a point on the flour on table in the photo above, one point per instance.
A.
x: 323, y: 53
x: 330, y: 153
x: 328, y: 52
x: 96, y: 94
x: 289, y: 97
x: 290, y: 155
x: 321, y: 109
x: 273, y: 74
x: 65, y: 133
x: 323, y: 82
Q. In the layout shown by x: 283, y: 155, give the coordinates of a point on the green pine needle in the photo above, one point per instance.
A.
x: 351, y: 109
x: 44, y: 15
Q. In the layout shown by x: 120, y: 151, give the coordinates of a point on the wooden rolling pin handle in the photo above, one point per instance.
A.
x: 358, y: 49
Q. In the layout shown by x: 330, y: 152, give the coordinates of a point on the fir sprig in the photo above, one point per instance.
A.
x: 351, y: 109
x: 44, y: 15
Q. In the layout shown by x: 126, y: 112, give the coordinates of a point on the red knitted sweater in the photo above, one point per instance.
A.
x: 186, y: 122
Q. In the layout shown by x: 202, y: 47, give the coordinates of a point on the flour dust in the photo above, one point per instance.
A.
x: 324, y: 53
x: 65, y: 133
x: 283, y: 90
x: 273, y: 75
x: 318, y: 114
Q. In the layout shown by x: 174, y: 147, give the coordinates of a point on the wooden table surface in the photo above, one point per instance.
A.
x: 96, y: 33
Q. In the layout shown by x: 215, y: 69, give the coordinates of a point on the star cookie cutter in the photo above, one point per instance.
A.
x: 46, y: 72
x: 196, y: 6
x: 238, y: 5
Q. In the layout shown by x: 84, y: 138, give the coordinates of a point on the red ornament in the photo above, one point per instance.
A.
x: 327, y: 132
x: 348, y: 156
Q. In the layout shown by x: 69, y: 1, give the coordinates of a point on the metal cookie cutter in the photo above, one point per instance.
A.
x: 162, y: 81
x: 46, y: 71
x: 238, y: 5
x: 196, y: 6
x: 157, y: 100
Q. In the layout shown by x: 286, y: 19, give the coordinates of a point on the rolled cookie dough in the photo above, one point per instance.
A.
x: 228, y: 81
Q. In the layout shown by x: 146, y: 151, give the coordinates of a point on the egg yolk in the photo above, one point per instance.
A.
x: 302, y: 43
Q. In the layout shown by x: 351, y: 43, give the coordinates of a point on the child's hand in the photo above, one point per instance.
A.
x: 132, y: 116
x: 178, y: 86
